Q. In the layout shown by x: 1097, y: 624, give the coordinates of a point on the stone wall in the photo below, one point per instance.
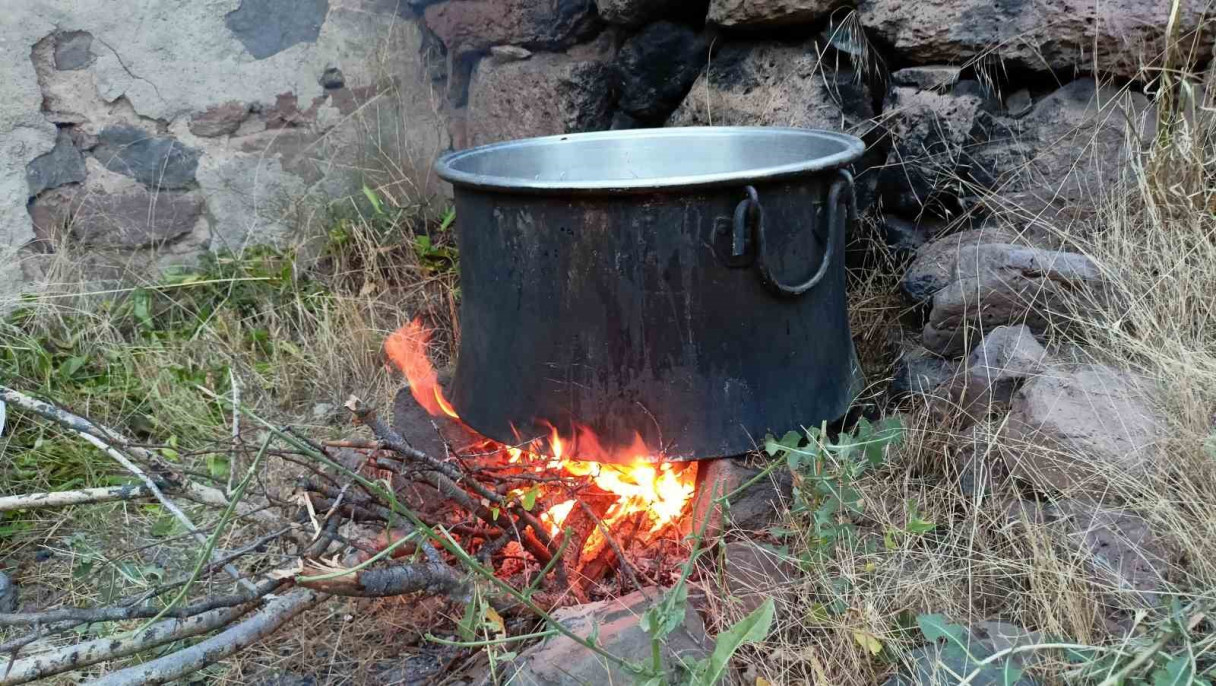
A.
x: 145, y: 132
x: 140, y: 133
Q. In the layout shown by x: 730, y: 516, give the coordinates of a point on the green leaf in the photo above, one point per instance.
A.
x: 1011, y: 673
x: 936, y: 627
x: 1176, y: 672
x: 70, y: 366
x: 789, y: 442
x: 217, y: 465
x: 374, y: 199
x: 916, y: 524
x: 466, y: 627
x: 494, y: 513
x: 529, y: 498
x: 751, y: 629
x: 888, y: 432
x: 142, y: 303
x: 663, y: 617
x: 449, y: 216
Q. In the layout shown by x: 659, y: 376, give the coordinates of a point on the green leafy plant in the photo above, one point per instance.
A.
x: 826, y: 496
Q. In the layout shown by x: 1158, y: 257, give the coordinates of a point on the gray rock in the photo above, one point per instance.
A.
x: 1019, y: 103
x: 129, y: 220
x: 467, y: 26
x: 753, y: 574
x: 933, y: 268
x: 156, y: 162
x: 937, y: 664
x: 636, y: 12
x: 509, y: 53
x: 906, y: 236
x: 934, y: 77
x: 930, y: 133
x: 752, y: 510
x: 62, y: 165
x: 1077, y: 428
x: 332, y: 79
x: 415, y: 425
x: 1071, y: 34
x: 1058, y: 160
x: 997, y: 284
x: 765, y: 13
x: 1006, y: 357
x: 559, y: 661
x: 73, y: 50
x: 219, y: 120
x: 920, y: 372
x: 268, y: 27
x: 1120, y: 549
x: 768, y: 84
x: 656, y: 67
x: 8, y: 594
x: 547, y: 94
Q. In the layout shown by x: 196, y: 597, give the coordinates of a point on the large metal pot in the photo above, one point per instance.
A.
x: 681, y: 284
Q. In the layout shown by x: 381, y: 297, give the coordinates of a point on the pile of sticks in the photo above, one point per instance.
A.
x: 447, y: 525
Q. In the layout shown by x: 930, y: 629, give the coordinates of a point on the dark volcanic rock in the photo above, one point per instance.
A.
x: 219, y: 120
x: 62, y: 165
x: 637, y: 12
x: 930, y: 133
x: 998, y: 283
x: 268, y: 27
x: 73, y: 50
x: 933, y: 268
x: 1075, y: 428
x: 616, y: 624
x: 154, y: 161
x: 332, y: 78
x: 920, y: 372
x: 767, y: 13
x: 8, y: 594
x: 767, y: 84
x: 547, y: 94
x: 656, y: 68
x: 1118, y: 36
x: 474, y: 25
x: 132, y: 219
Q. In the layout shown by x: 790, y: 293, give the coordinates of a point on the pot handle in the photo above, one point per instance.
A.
x: 749, y: 212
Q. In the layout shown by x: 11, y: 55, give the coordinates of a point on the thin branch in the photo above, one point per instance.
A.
x: 84, y: 496
x: 427, y: 577
x: 144, y: 611
x: 263, y: 623
x: 42, y: 665
x: 89, y: 432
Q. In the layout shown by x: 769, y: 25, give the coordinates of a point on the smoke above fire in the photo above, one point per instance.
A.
x: 640, y: 481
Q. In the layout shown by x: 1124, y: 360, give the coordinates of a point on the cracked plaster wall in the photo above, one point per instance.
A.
x: 144, y: 132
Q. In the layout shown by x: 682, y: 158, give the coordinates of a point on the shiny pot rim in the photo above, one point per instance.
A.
x: 460, y: 167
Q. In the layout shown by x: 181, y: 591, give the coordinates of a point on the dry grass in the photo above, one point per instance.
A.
x: 986, y: 559
x: 989, y: 558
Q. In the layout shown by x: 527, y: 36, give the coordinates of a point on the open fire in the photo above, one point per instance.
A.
x: 641, y: 483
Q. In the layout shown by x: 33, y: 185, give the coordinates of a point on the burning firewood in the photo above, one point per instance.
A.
x: 467, y: 511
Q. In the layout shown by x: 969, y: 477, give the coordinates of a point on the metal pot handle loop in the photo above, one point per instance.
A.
x: 750, y: 212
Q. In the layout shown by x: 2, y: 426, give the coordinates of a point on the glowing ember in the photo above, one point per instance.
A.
x: 661, y: 490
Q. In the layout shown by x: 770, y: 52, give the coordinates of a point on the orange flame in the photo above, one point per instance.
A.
x: 406, y: 347
x: 661, y: 490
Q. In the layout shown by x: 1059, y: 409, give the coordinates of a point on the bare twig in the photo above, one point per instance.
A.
x: 41, y: 665
x: 263, y: 623
x: 118, y: 614
x: 236, y: 427
x: 90, y: 432
x: 426, y: 577
x: 84, y: 496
